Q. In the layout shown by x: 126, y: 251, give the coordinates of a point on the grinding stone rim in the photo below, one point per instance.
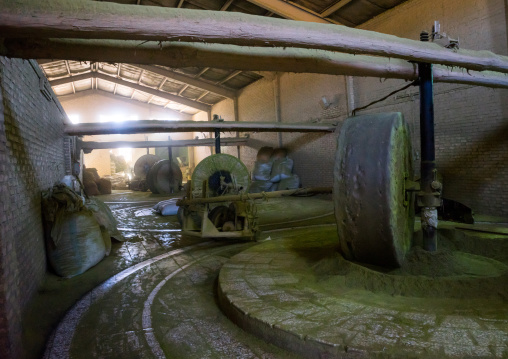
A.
x: 373, y: 155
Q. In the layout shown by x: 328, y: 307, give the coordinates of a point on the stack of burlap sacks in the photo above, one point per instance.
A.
x: 273, y: 171
x: 78, y: 232
x: 94, y: 185
x: 118, y: 180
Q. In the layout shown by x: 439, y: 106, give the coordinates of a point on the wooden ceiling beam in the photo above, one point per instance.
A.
x: 69, y: 79
x: 335, y: 7
x: 161, y: 94
x: 245, y: 58
x: 289, y: 11
x: 230, y: 76
x: 190, y: 81
x: 154, y: 126
x: 226, y: 5
x: 224, y: 141
x: 135, y: 87
x: 106, y: 20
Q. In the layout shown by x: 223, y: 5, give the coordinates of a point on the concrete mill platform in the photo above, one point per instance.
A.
x: 294, y: 290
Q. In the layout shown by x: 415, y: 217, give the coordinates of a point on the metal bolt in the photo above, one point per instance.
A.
x: 436, y: 185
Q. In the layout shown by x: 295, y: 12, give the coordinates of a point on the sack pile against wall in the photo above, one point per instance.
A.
x: 273, y: 171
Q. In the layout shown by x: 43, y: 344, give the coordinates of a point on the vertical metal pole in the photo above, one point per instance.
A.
x: 217, y: 140
x: 170, y: 169
x: 237, y: 118
x: 429, y: 197
x: 278, y: 109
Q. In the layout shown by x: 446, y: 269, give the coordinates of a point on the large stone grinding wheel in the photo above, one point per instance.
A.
x: 375, y: 215
x: 220, y: 165
x: 143, y: 165
x: 164, y: 177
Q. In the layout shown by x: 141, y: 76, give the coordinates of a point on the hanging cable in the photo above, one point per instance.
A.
x: 414, y: 83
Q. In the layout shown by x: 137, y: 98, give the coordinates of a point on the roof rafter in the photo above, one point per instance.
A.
x: 226, y: 5
x: 335, y: 7
x: 134, y: 86
x: 189, y: 80
x: 290, y: 11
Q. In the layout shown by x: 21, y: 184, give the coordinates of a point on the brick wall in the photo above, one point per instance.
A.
x: 31, y: 160
x: 257, y: 103
x: 300, y: 96
x: 471, y: 122
x: 226, y: 110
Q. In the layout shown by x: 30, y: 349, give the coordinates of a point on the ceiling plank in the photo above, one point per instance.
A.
x: 289, y: 11
x: 335, y: 7
x: 135, y: 87
x: 190, y: 81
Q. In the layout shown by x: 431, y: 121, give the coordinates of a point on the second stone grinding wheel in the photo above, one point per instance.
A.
x: 143, y: 165
x: 164, y: 177
x: 220, y: 165
x: 374, y: 213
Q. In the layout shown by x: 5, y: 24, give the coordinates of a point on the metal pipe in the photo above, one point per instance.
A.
x: 217, y: 140
x: 429, y: 197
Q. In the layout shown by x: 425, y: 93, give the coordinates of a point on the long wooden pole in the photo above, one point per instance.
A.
x: 239, y: 57
x: 154, y: 126
x: 226, y: 141
x: 106, y: 20
x: 248, y: 196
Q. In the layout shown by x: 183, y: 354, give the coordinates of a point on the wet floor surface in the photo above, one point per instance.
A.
x: 156, y: 296
x: 115, y: 317
x: 166, y: 309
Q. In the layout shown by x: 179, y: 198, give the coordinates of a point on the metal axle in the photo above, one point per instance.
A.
x: 429, y: 197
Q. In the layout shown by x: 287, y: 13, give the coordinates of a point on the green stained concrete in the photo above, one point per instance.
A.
x: 297, y: 291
